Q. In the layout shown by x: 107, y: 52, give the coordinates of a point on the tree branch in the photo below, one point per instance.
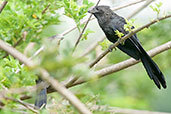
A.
x: 127, y: 4
x: 18, y: 42
x: 35, y: 54
x: 64, y: 92
x: 126, y: 37
x: 92, y: 47
x: 3, y: 5
x: 131, y: 61
x: 47, y: 78
x: 140, y: 8
x: 119, y: 66
x: 16, y: 54
x: 44, y: 11
x: 125, y: 64
x: 28, y: 106
x: 22, y: 90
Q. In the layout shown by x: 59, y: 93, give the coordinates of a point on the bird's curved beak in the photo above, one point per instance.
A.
x: 92, y: 10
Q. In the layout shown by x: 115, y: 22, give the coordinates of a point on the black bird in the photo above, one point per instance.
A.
x: 109, y: 23
x: 41, y: 96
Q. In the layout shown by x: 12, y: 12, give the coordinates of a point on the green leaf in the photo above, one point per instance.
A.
x: 105, y: 44
x: 85, y: 35
x: 119, y: 34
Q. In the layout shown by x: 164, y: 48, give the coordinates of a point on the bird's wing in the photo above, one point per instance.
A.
x: 130, y: 46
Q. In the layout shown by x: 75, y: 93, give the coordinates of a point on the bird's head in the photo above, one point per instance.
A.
x: 101, y: 12
x: 99, y: 9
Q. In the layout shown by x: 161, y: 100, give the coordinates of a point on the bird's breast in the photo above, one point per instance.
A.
x: 110, y: 34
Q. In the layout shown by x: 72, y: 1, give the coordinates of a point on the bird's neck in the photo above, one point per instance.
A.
x: 103, y: 19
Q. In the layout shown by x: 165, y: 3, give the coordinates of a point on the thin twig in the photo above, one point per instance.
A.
x: 3, y: 5
x: 92, y: 47
x: 140, y: 8
x: 127, y: 4
x: 28, y: 106
x: 40, y: 50
x: 22, y: 38
x: 126, y: 37
x: 73, y: 80
x: 30, y: 58
x: 22, y: 89
x: 44, y: 11
x: 78, y: 40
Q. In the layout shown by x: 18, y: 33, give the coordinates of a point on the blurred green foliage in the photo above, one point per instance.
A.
x: 29, y: 16
x: 76, y: 11
x: 105, y: 44
x: 130, y: 88
x: 19, y: 16
x: 156, y: 8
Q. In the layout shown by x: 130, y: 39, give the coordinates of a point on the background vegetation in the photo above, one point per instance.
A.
x: 130, y: 88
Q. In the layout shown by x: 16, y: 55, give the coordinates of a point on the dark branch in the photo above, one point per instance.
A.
x: 44, y: 11
x: 3, y: 5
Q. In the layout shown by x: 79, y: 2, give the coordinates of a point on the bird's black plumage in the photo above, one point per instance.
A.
x: 41, y: 96
x: 110, y: 22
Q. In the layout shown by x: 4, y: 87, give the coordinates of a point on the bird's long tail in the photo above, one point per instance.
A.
x: 152, y: 69
x: 41, y: 96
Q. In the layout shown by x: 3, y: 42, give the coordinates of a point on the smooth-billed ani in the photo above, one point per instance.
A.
x: 41, y: 96
x: 110, y: 22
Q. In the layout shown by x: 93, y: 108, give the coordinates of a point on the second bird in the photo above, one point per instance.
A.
x: 110, y: 22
